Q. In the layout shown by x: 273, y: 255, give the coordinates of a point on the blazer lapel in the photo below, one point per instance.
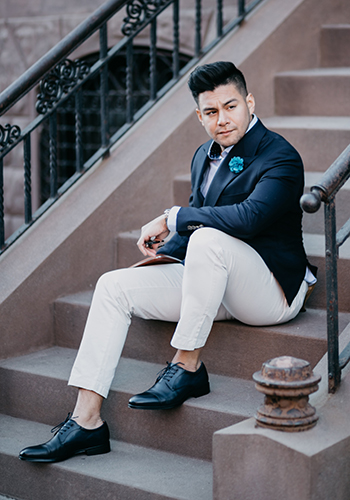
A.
x: 202, y: 161
x: 246, y: 149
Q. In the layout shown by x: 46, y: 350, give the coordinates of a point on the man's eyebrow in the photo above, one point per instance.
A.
x: 210, y: 108
x: 234, y: 99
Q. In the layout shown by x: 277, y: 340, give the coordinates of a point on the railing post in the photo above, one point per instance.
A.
x: 129, y: 82
x: 2, y: 212
x: 198, y: 33
x: 53, y: 154
x: 153, y: 60
x: 334, y: 373
x: 27, y: 180
x: 79, y: 161
x: 176, y: 65
x: 219, y: 20
x: 104, y: 87
x: 241, y: 8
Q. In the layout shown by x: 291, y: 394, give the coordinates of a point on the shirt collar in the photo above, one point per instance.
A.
x: 215, y: 152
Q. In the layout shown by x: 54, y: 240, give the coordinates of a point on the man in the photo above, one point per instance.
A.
x: 241, y: 242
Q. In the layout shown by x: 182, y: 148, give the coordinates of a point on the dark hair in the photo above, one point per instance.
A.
x: 210, y: 76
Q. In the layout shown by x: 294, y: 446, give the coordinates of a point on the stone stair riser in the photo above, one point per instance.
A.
x: 128, y: 472
x: 187, y: 430
x: 333, y: 43
x: 318, y: 297
x: 233, y: 349
x: 312, y: 95
x: 318, y: 148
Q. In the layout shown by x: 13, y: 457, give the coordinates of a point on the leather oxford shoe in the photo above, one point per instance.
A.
x: 173, y: 386
x: 69, y: 440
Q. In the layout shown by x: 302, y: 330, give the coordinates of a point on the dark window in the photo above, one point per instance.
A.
x: 91, y: 110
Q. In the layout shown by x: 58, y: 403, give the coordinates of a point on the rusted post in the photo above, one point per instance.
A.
x: 287, y: 383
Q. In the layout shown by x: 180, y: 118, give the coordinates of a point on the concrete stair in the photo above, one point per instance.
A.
x: 129, y: 471
x: 234, y: 349
x: 151, y: 450
x: 334, y: 41
x: 313, y: 92
x: 231, y: 401
x: 319, y: 139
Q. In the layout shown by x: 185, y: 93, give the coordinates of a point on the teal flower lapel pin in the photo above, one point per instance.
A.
x: 236, y: 164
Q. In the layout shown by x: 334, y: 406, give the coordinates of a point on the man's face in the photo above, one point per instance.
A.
x: 225, y: 114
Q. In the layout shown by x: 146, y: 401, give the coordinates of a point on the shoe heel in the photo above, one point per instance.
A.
x: 202, y: 391
x: 98, y: 450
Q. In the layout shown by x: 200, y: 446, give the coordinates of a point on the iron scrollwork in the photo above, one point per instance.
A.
x: 138, y: 12
x: 8, y: 135
x: 59, y: 82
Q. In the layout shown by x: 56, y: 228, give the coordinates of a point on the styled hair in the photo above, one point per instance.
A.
x: 211, y: 76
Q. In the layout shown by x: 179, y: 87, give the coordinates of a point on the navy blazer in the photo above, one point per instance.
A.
x: 259, y: 205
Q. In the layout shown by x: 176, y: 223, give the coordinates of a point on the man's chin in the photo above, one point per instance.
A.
x: 227, y: 141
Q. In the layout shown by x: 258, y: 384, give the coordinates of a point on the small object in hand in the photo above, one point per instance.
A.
x: 152, y: 242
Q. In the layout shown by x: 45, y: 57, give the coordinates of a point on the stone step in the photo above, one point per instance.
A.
x: 313, y: 92
x: 127, y: 472
x: 334, y: 45
x: 39, y: 392
x: 233, y: 349
x: 318, y: 139
x: 312, y: 223
x: 315, y: 249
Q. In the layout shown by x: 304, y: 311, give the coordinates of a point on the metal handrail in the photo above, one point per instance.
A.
x: 330, y: 183
x: 56, y: 73
x: 62, y: 49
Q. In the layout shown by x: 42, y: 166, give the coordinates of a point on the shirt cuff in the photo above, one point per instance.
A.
x: 172, y: 218
x: 309, y: 277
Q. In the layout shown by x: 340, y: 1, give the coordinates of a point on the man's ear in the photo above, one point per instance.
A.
x: 250, y: 103
x: 199, y: 114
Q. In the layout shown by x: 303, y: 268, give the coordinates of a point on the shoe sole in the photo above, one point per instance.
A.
x: 170, y: 406
x: 95, y: 450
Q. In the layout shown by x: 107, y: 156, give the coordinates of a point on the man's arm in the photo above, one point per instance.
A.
x: 276, y: 192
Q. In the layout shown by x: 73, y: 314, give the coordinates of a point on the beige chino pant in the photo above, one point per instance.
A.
x: 223, y: 278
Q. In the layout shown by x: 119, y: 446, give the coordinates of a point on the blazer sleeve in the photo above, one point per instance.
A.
x: 269, y: 188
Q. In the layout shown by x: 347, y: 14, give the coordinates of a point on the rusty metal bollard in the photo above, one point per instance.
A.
x: 287, y: 383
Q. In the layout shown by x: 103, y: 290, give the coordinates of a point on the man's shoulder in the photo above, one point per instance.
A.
x: 276, y: 137
x: 274, y: 141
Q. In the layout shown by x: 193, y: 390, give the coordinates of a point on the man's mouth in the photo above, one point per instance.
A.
x: 225, y: 132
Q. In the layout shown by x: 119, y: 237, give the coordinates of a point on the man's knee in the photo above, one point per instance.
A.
x: 203, y: 237
x: 104, y: 280
x: 109, y: 282
x: 203, y: 245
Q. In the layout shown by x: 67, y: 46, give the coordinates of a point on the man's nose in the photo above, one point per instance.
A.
x: 222, y: 117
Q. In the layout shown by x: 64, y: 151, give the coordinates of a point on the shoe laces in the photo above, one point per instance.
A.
x: 58, y: 427
x: 168, y: 372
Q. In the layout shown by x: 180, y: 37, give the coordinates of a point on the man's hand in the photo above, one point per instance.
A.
x: 154, y: 231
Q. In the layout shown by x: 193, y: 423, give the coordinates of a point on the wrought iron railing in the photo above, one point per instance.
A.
x: 331, y: 182
x: 61, y: 79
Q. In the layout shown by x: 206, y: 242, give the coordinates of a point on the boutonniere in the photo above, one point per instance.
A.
x: 236, y: 164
